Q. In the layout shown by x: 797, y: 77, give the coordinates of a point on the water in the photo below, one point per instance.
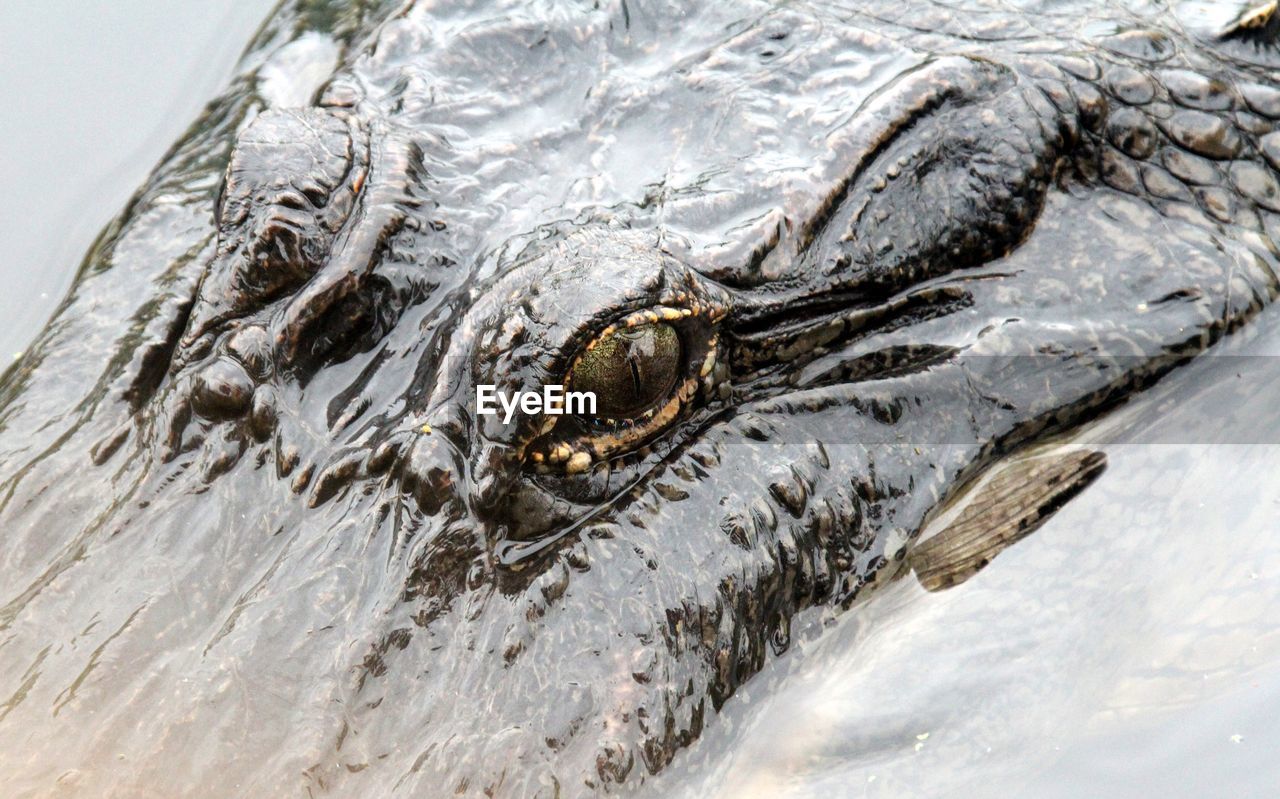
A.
x: 95, y: 93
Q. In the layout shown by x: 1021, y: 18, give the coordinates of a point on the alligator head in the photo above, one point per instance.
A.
x: 817, y: 271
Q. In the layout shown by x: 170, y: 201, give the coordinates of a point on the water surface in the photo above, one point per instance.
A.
x: 95, y: 93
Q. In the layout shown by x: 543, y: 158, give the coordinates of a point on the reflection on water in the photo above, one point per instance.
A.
x: 1128, y: 648
x: 94, y: 94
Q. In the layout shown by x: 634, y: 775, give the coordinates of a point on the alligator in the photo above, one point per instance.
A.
x: 821, y: 264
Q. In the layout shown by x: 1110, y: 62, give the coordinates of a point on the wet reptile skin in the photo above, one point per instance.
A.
x: 256, y: 540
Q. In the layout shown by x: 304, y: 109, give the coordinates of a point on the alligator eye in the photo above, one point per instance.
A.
x: 630, y: 370
x: 647, y: 372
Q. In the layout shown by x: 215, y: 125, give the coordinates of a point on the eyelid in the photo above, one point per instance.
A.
x: 579, y: 453
x: 648, y: 316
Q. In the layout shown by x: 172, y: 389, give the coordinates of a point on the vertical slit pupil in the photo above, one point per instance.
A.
x: 635, y: 377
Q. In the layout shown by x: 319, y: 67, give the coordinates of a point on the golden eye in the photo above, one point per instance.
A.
x: 630, y: 370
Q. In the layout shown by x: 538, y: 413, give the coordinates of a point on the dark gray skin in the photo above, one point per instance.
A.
x: 256, y: 540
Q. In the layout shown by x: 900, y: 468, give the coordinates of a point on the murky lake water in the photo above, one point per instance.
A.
x: 1126, y: 649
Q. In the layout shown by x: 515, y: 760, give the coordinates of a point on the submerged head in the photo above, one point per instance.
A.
x: 796, y: 352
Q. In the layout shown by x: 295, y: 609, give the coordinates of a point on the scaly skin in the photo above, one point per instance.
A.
x: 896, y: 246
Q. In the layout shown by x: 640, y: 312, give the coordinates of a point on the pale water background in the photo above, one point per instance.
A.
x: 1128, y: 649
x: 94, y: 93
